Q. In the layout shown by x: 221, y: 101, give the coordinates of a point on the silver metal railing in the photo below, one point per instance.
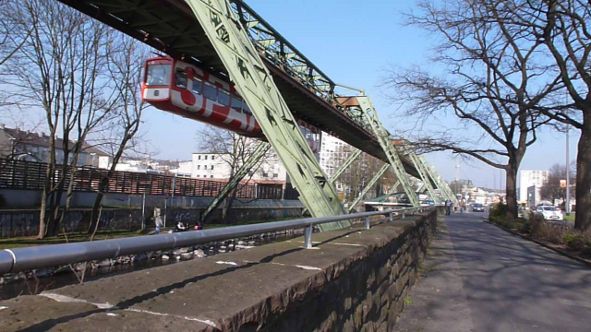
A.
x: 22, y: 259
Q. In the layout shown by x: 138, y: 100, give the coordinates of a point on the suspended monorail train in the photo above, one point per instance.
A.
x: 192, y: 92
x: 181, y: 88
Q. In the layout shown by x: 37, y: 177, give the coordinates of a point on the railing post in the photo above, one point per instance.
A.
x: 308, y: 237
x: 367, y: 225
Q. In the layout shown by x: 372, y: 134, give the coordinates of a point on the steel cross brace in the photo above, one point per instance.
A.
x: 420, y: 188
x: 442, y: 185
x: 345, y: 165
x: 255, y: 84
x: 395, y: 186
x: 256, y: 155
x: 419, y: 165
x: 390, y: 150
x: 370, y: 184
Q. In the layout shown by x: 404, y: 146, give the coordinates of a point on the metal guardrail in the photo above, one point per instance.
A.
x: 22, y: 259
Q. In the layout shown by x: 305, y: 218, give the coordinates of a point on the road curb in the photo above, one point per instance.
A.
x: 563, y: 253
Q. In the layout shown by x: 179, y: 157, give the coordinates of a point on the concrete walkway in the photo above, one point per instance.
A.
x: 480, y: 278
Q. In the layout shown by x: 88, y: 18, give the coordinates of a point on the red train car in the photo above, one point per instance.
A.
x: 181, y: 88
x: 184, y: 89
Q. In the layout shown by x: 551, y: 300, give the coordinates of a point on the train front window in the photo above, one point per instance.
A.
x: 158, y: 74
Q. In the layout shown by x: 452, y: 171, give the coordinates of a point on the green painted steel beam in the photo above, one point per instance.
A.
x: 369, y: 185
x: 253, y: 159
x: 350, y: 159
x: 253, y: 81
x: 425, y: 179
x: 371, y: 117
x: 395, y: 186
x: 443, y: 186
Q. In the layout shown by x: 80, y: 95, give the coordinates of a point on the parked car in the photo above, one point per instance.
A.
x: 550, y: 212
x: 477, y: 207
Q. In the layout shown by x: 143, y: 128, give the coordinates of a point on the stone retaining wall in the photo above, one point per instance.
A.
x: 354, y: 280
x: 368, y: 294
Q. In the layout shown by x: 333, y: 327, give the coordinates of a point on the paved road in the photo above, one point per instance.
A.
x: 480, y: 278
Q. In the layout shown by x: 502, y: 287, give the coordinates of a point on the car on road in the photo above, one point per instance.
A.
x: 550, y: 212
x: 477, y: 207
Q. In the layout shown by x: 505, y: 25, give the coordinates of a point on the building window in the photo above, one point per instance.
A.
x: 212, y: 157
x: 212, y: 167
x: 198, y: 166
x: 211, y: 176
x: 205, y: 157
x: 199, y: 157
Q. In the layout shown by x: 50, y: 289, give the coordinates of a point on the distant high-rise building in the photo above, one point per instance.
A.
x: 529, y: 178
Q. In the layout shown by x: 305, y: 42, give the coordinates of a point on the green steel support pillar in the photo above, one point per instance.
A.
x: 423, y: 174
x: 370, y: 184
x: 442, y: 185
x: 255, y: 84
x: 257, y: 154
x: 345, y: 165
x: 371, y: 116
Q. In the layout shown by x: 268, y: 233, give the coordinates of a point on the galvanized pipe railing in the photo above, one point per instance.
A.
x: 22, y: 259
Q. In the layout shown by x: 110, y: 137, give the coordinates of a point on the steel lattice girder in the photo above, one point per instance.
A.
x: 253, y: 159
x: 442, y: 185
x: 390, y: 150
x: 350, y: 159
x: 370, y: 184
x: 423, y: 174
x: 255, y: 84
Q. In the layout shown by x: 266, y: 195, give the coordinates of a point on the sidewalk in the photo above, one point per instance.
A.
x: 480, y: 278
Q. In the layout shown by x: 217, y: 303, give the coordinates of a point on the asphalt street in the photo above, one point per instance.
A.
x: 478, y: 277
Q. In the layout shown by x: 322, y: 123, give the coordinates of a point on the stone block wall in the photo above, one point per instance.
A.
x: 354, y: 280
x: 370, y: 293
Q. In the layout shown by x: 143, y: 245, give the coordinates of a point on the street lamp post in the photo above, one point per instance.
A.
x: 567, y: 202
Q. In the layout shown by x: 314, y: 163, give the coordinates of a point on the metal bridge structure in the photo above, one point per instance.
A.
x: 280, y: 85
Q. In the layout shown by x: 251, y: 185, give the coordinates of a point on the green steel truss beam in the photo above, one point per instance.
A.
x: 255, y: 84
x: 395, y: 186
x: 371, y: 117
x: 281, y: 52
x: 442, y: 185
x: 253, y: 159
x: 420, y: 167
x: 345, y: 165
x: 420, y: 188
x: 369, y: 185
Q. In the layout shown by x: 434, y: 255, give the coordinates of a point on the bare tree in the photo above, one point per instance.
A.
x: 233, y: 150
x: 59, y: 69
x: 10, y: 43
x: 125, y: 61
x: 492, y: 83
x: 564, y: 27
x: 554, y: 187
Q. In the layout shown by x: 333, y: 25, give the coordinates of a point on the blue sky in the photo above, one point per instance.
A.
x: 354, y: 43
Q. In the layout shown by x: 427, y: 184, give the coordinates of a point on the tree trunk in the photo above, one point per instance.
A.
x: 511, y: 189
x: 583, y: 192
x: 95, y: 214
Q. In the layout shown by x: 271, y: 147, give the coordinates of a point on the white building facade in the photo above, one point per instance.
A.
x: 531, y: 178
x: 207, y: 165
